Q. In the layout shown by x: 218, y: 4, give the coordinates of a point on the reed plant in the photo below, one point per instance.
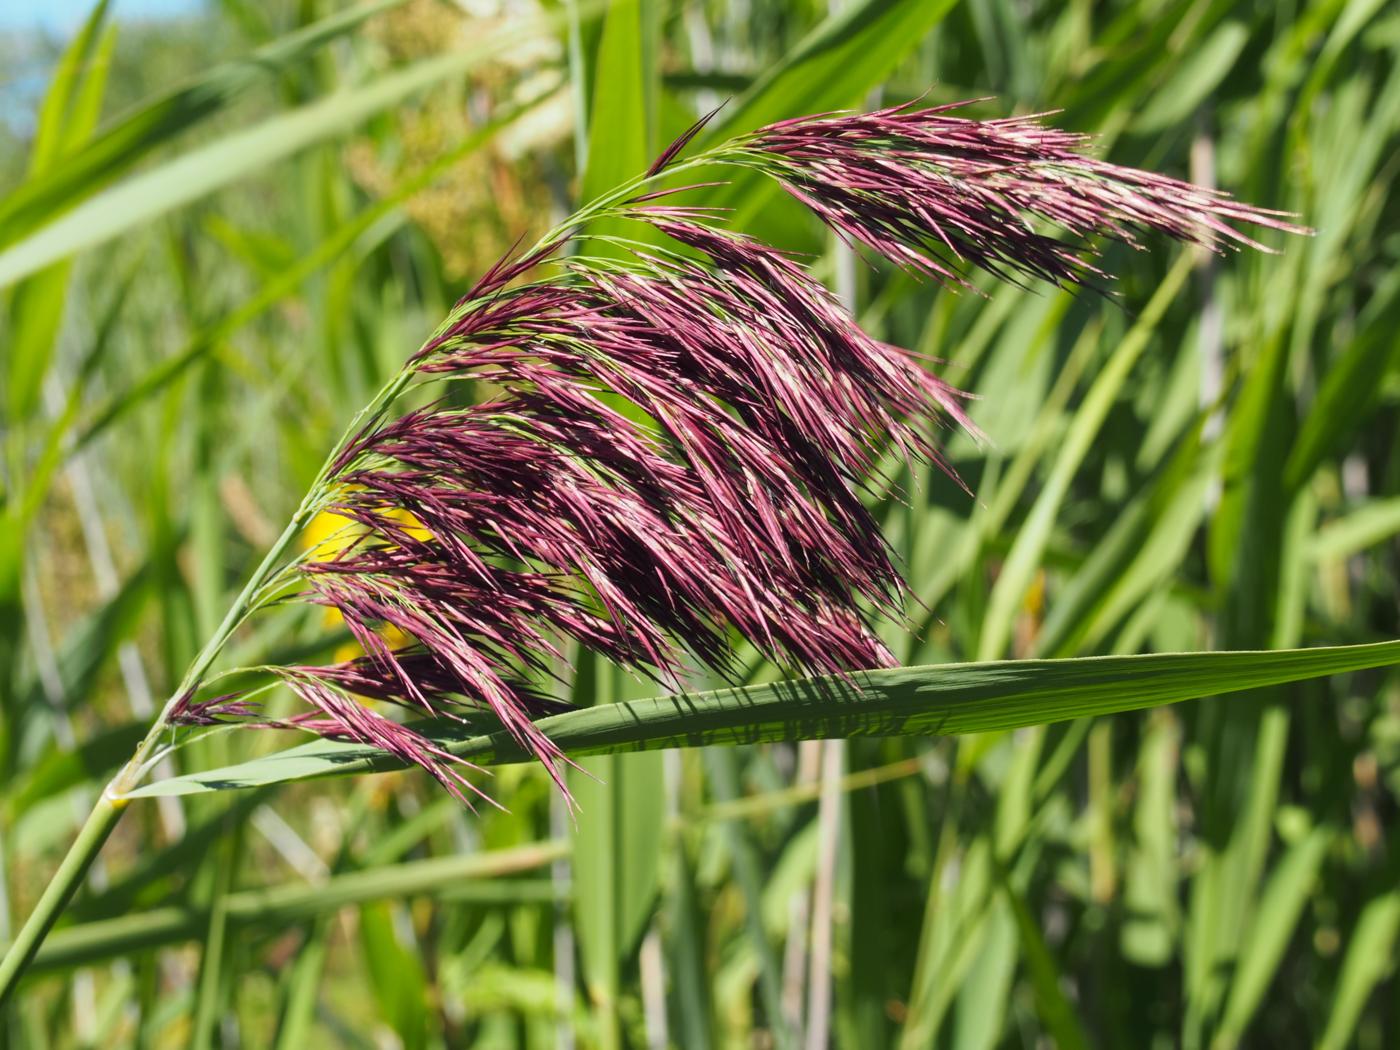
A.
x: 653, y: 440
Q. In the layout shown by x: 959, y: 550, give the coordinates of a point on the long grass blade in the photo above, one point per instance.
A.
x: 946, y: 700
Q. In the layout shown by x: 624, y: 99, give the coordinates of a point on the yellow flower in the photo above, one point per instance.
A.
x: 326, y: 536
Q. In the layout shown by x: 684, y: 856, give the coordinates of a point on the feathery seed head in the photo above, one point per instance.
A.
x: 675, y: 455
x: 936, y: 192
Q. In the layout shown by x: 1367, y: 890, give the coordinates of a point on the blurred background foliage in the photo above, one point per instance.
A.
x: 221, y: 230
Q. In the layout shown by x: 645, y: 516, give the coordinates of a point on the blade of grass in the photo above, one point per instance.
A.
x: 1150, y: 874
x: 1284, y: 896
x: 1370, y: 957
x: 66, y: 119
x: 1056, y: 1012
x: 302, y: 982
x: 1024, y: 559
x: 690, y: 979
x: 834, y: 66
x: 137, y: 133
x: 396, y: 974
x: 214, y: 950
x: 1193, y: 80
x: 722, y: 766
x: 954, y: 928
x: 285, y: 284
x: 1351, y: 388
x: 980, y: 1010
x: 949, y: 699
x: 1368, y: 525
x: 616, y: 856
x: 471, y: 877
x: 1141, y: 550
x: 205, y: 169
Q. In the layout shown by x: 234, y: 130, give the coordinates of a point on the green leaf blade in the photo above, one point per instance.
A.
x: 948, y: 700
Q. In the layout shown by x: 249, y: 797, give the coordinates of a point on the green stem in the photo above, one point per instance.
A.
x: 107, y: 812
x: 58, y: 893
x: 246, y: 601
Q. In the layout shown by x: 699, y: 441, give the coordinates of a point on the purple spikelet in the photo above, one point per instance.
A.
x: 935, y: 192
x: 675, y: 451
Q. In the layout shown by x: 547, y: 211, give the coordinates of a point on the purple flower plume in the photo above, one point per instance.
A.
x: 935, y: 192
x: 674, y: 448
x: 676, y: 456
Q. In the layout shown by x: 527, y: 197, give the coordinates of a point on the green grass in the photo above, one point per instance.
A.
x: 215, y: 252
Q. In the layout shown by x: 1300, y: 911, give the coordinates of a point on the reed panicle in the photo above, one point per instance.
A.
x: 940, y: 194
x: 674, y: 448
